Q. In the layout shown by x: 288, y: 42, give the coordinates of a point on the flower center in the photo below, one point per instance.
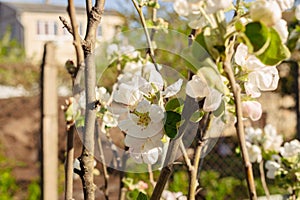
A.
x: 143, y: 118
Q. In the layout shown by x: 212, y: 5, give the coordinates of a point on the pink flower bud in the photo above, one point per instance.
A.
x: 252, y: 109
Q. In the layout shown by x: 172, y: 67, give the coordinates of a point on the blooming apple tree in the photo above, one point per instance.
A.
x: 231, y: 60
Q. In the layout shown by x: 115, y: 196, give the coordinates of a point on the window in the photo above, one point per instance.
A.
x: 47, y: 28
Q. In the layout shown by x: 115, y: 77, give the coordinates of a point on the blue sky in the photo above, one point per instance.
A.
x: 109, y: 4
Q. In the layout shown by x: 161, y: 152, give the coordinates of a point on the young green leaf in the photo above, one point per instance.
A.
x: 171, y: 123
x: 258, y: 34
x: 197, y: 116
x: 142, y: 196
x: 175, y: 105
x: 275, y: 52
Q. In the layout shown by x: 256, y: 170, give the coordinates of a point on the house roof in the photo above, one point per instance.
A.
x: 48, y: 8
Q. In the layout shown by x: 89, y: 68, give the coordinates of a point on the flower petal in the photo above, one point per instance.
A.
x: 156, y: 113
x: 173, y: 89
x: 212, y: 101
x: 196, y: 88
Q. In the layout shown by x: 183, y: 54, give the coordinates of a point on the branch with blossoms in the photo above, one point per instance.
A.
x: 281, y: 160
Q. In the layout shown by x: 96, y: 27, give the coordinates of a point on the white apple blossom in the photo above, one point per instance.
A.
x: 290, y: 149
x: 144, y: 121
x: 168, y: 195
x: 128, y: 93
x: 263, y: 79
x: 101, y: 95
x: 272, y: 167
x: 213, y: 6
x: 252, y: 109
x: 272, y: 141
x: 260, y: 76
x: 182, y: 7
x: 109, y: 119
x: 267, y: 12
x: 118, y: 50
x: 282, y: 29
x: 285, y: 4
x: 146, y: 149
x: 254, y: 136
x: 246, y: 60
x: 297, y: 12
x: 198, y: 89
x: 254, y: 152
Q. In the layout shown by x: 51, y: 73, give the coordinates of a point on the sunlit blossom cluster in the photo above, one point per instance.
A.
x: 281, y: 158
x: 138, y: 100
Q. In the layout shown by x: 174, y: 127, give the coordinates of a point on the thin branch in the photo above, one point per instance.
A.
x: 103, y: 163
x: 263, y: 179
x: 194, y: 173
x: 186, y: 157
x: 76, y: 36
x: 69, y: 163
x: 148, y: 38
x: 151, y: 177
x: 66, y: 24
x: 203, y: 124
x: 239, y: 124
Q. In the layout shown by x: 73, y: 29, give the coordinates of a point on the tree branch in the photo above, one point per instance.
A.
x: 66, y: 24
x: 263, y: 179
x: 103, y: 163
x: 239, y: 124
x: 150, y: 51
x: 186, y: 157
x: 203, y: 124
x: 69, y: 163
x: 76, y: 36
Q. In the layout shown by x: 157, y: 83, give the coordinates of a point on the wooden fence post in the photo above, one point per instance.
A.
x: 49, y: 124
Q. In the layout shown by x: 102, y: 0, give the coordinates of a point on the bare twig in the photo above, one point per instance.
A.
x: 69, y: 163
x: 66, y: 24
x: 148, y: 38
x: 76, y: 36
x: 239, y: 124
x: 186, y: 157
x: 203, y: 124
x: 263, y: 179
x: 151, y: 178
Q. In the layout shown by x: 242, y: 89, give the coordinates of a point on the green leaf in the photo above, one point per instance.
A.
x: 276, y: 50
x: 175, y: 105
x: 197, y: 116
x: 199, y: 46
x: 142, y: 196
x: 171, y: 123
x: 258, y: 34
x: 220, y: 110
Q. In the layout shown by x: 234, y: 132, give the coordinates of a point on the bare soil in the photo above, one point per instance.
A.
x: 20, y: 139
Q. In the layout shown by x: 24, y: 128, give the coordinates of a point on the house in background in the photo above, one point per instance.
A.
x: 33, y: 24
